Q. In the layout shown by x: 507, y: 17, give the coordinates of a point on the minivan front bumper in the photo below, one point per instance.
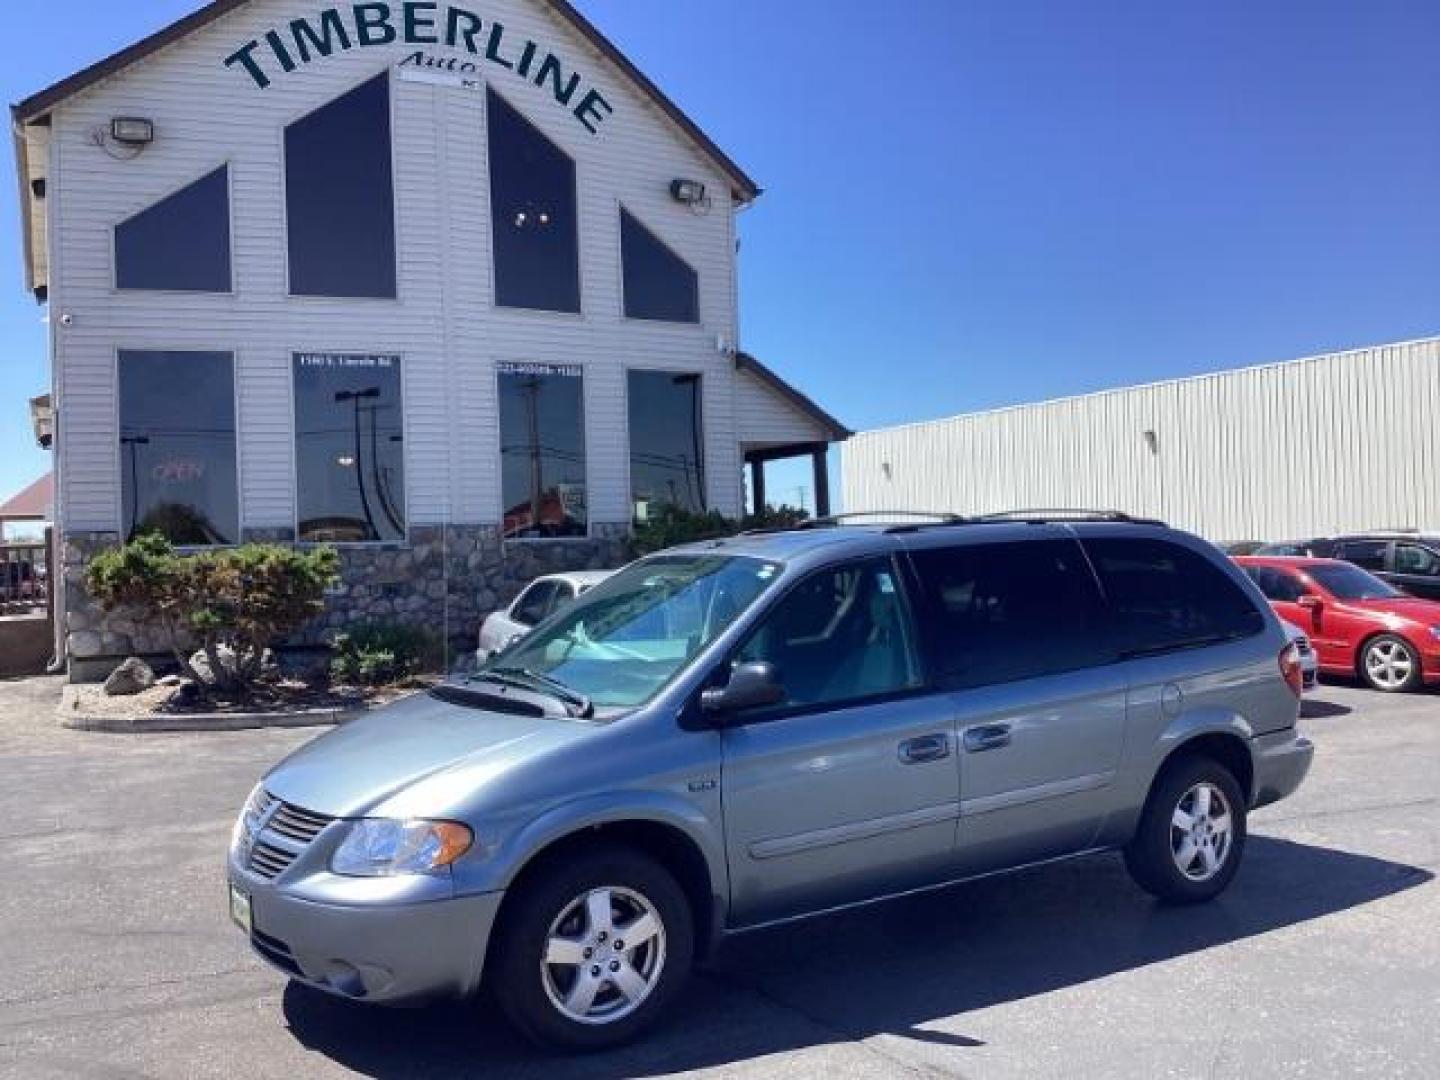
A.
x: 392, y: 953
x: 1281, y: 760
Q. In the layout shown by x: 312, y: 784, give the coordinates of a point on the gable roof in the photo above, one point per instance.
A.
x: 36, y: 108
x: 32, y: 504
x: 834, y: 430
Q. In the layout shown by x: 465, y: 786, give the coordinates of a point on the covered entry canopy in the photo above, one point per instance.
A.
x: 775, y: 422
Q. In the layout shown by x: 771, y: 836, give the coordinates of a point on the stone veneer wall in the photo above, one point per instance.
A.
x: 445, y: 579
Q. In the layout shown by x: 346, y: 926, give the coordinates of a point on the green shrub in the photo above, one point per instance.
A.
x: 669, y: 526
x: 382, y: 654
x: 234, y: 603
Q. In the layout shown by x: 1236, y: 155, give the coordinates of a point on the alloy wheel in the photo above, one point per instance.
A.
x: 1202, y: 832
x: 1388, y: 664
x: 604, y: 955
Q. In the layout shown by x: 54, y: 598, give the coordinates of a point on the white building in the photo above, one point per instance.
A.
x: 1285, y: 451
x: 453, y: 285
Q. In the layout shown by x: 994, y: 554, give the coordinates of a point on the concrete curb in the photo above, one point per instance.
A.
x: 201, y: 722
x: 198, y: 722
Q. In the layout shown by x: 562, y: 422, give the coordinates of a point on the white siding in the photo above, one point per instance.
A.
x: 767, y: 419
x: 444, y: 322
x: 1325, y: 445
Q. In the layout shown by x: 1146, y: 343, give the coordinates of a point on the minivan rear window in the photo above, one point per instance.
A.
x: 999, y: 613
x: 1166, y: 597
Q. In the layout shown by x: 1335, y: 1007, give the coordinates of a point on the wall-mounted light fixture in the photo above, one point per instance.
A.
x: 1152, y: 440
x: 689, y: 192
x: 37, y: 187
x: 133, y: 131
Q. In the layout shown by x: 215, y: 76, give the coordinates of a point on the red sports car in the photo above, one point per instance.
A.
x: 1359, y: 625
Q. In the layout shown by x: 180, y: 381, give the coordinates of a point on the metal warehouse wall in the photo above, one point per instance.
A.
x: 1329, y: 444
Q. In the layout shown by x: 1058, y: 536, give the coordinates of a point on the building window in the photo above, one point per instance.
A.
x: 667, y: 456
x: 659, y: 284
x: 349, y: 448
x: 340, y: 197
x: 542, y: 450
x: 177, y: 446
x: 182, y: 243
x: 532, y: 203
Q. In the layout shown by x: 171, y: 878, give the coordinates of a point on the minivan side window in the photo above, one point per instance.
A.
x: 1165, y: 597
x: 998, y: 613
x: 1414, y: 559
x: 841, y: 635
x: 535, y: 604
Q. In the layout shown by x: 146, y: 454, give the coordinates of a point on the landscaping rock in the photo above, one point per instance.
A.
x: 169, y: 680
x: 200, y: 662
x: 130, y: 678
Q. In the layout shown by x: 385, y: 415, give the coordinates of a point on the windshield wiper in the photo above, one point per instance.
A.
x: 525, y: 679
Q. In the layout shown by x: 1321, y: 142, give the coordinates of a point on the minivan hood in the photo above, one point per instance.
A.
x: 356, y: 768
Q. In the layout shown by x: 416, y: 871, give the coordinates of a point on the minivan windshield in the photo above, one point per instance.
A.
x: 1346, y: 582
x: 628, y: 637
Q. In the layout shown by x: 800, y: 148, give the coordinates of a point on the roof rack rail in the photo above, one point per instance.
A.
x: 1118, y: 517
x: 830, y: 521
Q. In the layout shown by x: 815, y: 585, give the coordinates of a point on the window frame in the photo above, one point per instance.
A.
x: 364, y: 545
x: 289, y: 121
x: 621, y: 210
x: 228, y: 164
x: 119, y: 468
x: 580, y: 312
x: 718, y: 676
x: 1387, y: 554
x: 499, y: 448
x: 1430, y: 551
x: 704, y: 478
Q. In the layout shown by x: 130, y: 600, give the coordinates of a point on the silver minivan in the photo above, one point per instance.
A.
x: 747, y: 731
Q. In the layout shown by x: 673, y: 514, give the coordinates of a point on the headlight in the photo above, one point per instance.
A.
x: 248, y: 823
x: 378, y: 847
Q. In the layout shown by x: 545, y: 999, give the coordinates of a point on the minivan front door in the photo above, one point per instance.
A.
x: 848, y: 789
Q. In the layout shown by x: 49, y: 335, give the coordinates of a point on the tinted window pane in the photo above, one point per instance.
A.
x: 1352, y: 583
x: 542, y: 450
x: 1414, y: 559
x: 182, y: 243
x: 339, y: 196
x: 1369, y: 554
x: 177, y: 446
x: 667, y: 455
x: 1277, y: 585
x: 997, y: 613
x: 1164, y: 596
x: 658, y: 283
x: 349, y: 448
x: 840, y: 635
x: 532, y: 201
x: 535, y: 604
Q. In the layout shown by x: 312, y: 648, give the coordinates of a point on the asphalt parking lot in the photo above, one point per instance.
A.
x: 117, y: 960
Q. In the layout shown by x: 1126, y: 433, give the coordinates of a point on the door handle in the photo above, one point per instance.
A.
x: 992, y: 737
x: 925, y: 748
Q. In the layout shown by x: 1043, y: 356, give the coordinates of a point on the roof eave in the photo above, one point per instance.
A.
x: 22, y: 171
x: 835, y: 431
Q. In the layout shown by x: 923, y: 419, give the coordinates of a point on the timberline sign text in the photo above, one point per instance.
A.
x: 339, y: 29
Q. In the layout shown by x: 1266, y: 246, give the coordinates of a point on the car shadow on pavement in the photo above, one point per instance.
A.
x: 1314, y: 709
x: 919, y: 960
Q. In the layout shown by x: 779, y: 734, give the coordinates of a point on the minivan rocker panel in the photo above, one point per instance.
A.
x: 578, y: 820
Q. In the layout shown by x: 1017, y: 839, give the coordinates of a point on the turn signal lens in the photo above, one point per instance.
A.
x: 1291, y: 670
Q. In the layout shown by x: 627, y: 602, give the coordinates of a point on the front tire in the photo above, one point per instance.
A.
x: 593, y: 949
x: 1389, y: 664
x: 1191, y: 835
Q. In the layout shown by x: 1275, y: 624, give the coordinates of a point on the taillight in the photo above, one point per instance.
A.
x: 1291, y: 670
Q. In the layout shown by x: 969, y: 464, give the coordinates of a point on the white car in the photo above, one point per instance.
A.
x: 542, y: 598
x: 1309, y: 662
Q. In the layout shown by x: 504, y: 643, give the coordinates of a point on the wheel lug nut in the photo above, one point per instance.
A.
x: 615, y: 965
x: 595, y: 971
x: 589, y: 953
x: 619, y: 946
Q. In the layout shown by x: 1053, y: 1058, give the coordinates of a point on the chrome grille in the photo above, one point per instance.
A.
x: 287, y: 832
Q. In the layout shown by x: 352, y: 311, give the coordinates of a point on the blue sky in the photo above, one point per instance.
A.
x: 972, y: 204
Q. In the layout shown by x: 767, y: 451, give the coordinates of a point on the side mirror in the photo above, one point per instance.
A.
x: 1310, y: 602
x: 752, y: 686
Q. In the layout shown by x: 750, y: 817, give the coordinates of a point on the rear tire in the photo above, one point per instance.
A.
x: 1390, y: 664
x: 601, y: 990
x: 1192, y: 833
